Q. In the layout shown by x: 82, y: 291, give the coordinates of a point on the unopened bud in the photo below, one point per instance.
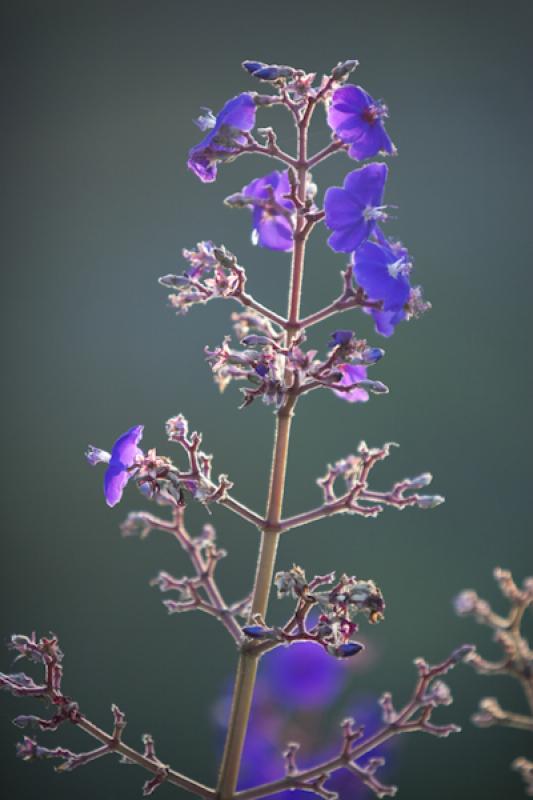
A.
x: 255, y: 339
x: 173, y: 281
x: 346, y: 650
x: 421, y: 481
x: 372, y: 354
x: 268, y: 72
x: 430, y: 501
x: 236, y: 200
x: 258, y: 632
x: 343, y: 69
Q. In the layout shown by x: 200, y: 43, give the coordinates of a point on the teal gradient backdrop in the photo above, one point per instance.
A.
x: 97, y: 103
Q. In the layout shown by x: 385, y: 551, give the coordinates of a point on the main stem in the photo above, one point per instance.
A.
x: 248, y: 662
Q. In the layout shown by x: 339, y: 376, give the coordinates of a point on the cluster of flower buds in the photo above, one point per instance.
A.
x: 516, y: 660
x: 354, y: 471
x: 198, y: 481
x: 325, y: 611
x: 297, y: 83
x: 213, y: 272
x: 276, y: 371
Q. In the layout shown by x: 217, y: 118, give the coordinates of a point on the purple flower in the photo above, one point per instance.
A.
x: 385, y: 321
x: 357, y: 119
x: 271, y: 211
x: 383, y: 272
x: 352, y: 374
x: 352, y: 212
x: 341, y: 337
x: 226, y: 134
x: 304, y: 675
x: 122, y: 457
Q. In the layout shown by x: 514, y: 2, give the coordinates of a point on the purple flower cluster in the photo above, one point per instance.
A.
x: 352, y: 212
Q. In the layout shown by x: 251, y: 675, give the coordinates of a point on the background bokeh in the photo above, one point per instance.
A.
x: 97, y: 102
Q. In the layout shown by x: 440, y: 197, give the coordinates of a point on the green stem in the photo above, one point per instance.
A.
x: 248, y: 662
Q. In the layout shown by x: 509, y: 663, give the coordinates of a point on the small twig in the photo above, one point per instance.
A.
x: 335, y: 146
x: 204, y: 557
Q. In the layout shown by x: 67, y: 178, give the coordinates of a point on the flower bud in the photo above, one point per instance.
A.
x: 256, y: 631
x: 346, y: 650
x: 255, y: 339
x: 252, y: 66
x: 421, y: 481
x: 236, y: 200
x: 372, y: 354
x: 343, y: 69
x: 339, y: 338
x: 268, y: 72
x: 262, y: 370
x: 173, y: 281
x: 376, y: 387
x: 429, y: 501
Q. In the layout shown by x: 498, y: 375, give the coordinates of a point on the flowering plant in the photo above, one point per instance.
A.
x: 275, y: 365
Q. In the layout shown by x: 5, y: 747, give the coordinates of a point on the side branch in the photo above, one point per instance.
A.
x: 335, y: 146
x: 213, y: 273
x: 349, y: 298
x: 47, y: 652
x: 357, y: 498
x: 200, y: 592
x: 271, y: 149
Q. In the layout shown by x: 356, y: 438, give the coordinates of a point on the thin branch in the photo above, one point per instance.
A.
x: 271, y: 150
x: 354, y: 470
x: 47, y: 652
x: 247, y: 300
x: 204, y: 557
x: 334, y: 147
x: 348, y: 299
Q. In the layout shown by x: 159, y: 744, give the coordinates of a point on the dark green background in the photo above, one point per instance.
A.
x: 97, y: 104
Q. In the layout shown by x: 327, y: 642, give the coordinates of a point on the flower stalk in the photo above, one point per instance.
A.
x: 248, y: 661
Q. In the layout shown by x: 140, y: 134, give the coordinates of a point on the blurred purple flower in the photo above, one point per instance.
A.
x: 352, y: 374
x: 272, y: 226
x: 304, y: 675
x: 352, y: 212
x: 225, y: 135
x: 122, y: 457
x: 295, y: 687
x: 357, y: 119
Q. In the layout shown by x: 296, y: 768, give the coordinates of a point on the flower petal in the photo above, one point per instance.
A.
x: 115, y: 479
x: 367, y: 185
x: 352, y: 374
x: 125, y: 450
